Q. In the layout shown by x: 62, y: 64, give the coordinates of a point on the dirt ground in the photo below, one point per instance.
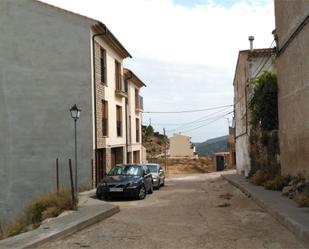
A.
x: 190, y: 212
x: 188, y: 166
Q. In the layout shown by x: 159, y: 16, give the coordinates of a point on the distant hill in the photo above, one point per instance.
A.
x: 211, y: 146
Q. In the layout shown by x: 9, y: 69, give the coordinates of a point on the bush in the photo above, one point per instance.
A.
x: 297, y: 179
x: 35, y: 209
x: 51, y: 212
x: 13, y: 229
x: 259, y: 178
x: 278, y: 183
x: 46, y: 206
x: 302, y: 198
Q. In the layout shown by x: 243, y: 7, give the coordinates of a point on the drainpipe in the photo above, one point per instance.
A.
x: 126, y: 110
x: 126, y: 119
x: 94, y: 101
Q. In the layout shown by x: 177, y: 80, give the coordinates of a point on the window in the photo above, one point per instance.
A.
x: 137, y: 130
x: 118, y: 75
x: 130, y: 130
x: 103, y: 65
x: 119, y: 120
x: 104, y: 118
x: 136, y: 98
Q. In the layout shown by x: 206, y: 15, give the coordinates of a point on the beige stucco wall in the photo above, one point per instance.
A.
x: 133, y: 145
x: 107, y: 92
x: 293, y: 82
x: 240, y: 107
x: 248, y: 67
x: 180, y: 146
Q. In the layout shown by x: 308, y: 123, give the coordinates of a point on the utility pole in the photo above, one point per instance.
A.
x: 165, y: 160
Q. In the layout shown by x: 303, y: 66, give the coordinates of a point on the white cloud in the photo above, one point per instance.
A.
x: 206, y: 34
x: 186, y: 56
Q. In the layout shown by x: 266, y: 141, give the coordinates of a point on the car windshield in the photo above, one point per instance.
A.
x: 153, y: 168
x: 126, y: 171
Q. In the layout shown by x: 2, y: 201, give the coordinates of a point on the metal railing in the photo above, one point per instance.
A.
x: 140, y: 103
x: 121, y: 84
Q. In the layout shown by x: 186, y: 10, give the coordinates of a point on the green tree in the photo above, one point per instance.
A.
x: 147, y: 132
x: 264, y: 102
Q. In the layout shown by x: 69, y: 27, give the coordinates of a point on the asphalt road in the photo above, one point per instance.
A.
x: 202, y: 211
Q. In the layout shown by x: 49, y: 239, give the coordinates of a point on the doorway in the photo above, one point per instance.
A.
x: 101, y: 164
x: 116, y: 156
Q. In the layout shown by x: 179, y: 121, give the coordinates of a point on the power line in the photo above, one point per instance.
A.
x: 206, y: 123
x: 174, y: 124
x: 202, y: 119
x: 187, y: 111
x: 259, y: 68
x: 262, y: 67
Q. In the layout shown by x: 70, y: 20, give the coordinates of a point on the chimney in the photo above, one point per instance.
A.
x: 251, y: 39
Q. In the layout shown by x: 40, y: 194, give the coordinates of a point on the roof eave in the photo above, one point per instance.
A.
x: 137, y: 81
x: 114, y: 41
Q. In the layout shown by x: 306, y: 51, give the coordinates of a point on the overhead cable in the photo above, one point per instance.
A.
x: 187, y: 111
x: 206, y: 123
x: 202, y: 119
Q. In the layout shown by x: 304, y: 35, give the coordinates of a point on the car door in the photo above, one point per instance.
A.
x: 147, y: 177
x: 161, y: 174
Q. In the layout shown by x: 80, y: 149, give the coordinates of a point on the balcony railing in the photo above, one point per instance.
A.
x: 139, y: 105
x: 121, y: 86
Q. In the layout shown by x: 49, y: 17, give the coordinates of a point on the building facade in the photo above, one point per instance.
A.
x: 51, y: 60
x: 135, y: 106
x: 111, y: 92
x: 292, y: 36
x: 231, y: 148
x: 250, y: 64
x: 181, y: 146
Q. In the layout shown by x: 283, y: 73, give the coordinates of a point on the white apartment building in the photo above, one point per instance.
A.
x: 118, y: 109
x: 134, y: 118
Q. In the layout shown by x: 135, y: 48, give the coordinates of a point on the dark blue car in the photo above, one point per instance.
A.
x: 132, y: 180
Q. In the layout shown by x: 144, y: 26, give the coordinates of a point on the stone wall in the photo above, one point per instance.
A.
x: 293, y: 83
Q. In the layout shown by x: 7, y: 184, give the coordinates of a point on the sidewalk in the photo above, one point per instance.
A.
x: 280, y: 207
x: 90, y: 212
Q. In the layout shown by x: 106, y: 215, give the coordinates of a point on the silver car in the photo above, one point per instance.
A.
x: 157, y: 173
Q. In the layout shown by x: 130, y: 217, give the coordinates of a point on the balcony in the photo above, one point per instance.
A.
x: 139, y: 104
x: 121, y: 86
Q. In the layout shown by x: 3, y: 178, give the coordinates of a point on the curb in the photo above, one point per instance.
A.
x: 291, y: 224
x: 61, y: 227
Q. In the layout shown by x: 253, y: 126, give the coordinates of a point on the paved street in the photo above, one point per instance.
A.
x: 202, y: 211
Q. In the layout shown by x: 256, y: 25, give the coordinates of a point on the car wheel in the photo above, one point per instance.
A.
x: 159, y: 184
x: 99, y: 194
x: 151, y: 189
x: 142, y: 193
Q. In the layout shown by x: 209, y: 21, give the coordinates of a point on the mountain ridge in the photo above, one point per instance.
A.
x: 213, y: 145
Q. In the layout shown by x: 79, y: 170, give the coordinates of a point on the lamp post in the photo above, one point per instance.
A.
x: 75, y: 113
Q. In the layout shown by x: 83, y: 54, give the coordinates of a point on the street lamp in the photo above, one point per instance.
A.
x: 75, y: 113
